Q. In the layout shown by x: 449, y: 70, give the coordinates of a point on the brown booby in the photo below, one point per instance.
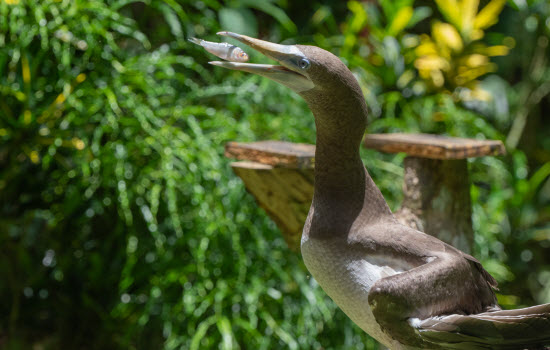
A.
x: 403, y: 287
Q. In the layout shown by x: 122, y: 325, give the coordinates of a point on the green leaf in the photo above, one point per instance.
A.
x: 359, y: 18
x: 419, y: 14
x: 172, y: 21
x: 201, y: 332
x: 276, y: 12
x: 239, y: 20
x: 227, y: 335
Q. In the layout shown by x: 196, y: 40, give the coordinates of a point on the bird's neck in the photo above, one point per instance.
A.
x: 340, y: 122
x: 343, y: 189
x: 338, y: 165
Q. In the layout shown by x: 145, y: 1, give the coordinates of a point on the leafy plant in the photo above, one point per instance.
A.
x: 121, y: 224
x: 379, y: 34
x: 454, y: 56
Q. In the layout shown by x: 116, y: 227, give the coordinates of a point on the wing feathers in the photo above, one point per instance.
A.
x: 527, y: 328
x: 490, y: 279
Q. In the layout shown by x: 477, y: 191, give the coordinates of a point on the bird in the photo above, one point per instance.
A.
x: 406, y: 289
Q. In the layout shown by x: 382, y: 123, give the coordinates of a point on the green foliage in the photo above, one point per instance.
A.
x: 122, y: 225
x: 376, y: 41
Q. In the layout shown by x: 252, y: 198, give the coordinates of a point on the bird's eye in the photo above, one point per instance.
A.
x: 304, y: 63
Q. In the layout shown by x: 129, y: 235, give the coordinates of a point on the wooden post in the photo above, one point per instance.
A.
x: 436, y: 185
x: 436, y: 200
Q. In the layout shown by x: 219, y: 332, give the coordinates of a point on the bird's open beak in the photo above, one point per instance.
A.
x: 288, y: 73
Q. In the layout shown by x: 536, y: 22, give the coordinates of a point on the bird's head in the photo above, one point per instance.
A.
x: 321, y: 78
x: 302, y: 68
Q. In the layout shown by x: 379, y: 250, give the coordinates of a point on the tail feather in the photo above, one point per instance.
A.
x: 527, y: 328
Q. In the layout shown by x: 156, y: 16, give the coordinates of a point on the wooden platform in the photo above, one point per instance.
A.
x: 433, y: 146
x: 436, y: 186
x: 275, y: 153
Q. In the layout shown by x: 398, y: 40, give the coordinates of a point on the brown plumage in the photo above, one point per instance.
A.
x: 407, y: 289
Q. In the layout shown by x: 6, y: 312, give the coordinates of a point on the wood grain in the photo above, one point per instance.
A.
x: 285, y: 194
x: 433, y: 146
x: 274, y: 153
x: 436, y: 200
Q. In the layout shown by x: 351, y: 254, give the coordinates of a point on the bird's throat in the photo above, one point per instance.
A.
x: 340, y: 125
x: 338, y: 166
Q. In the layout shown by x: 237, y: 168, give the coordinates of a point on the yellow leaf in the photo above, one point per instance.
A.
x: 489, y: 14
x: 468, y: 10
x: 410, y: 41
x: 431, y: 62
x: 25, y: 70
x: 424, y: 74
x: 497, y: 50
x: 78, y: 143
x: 60, y: 99
x: 34, y: 157
x: 80, y: 78
x: 447, y: 37
x: 474, y: 92
x: 481, y: 95
x: 426, y: 48
x: 476, y: 34
x: 474, y: 73
x: 449, y: 10
x: 405, y: 79
x: 476, y: 60
x: 400, y: 21
x: 27, y: 117
x: 437, y: 78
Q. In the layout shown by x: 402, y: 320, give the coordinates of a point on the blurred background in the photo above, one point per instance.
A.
x: 122, y: 225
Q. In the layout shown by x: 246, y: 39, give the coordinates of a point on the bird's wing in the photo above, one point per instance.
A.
x: 527, y: 328
x: 446, y: 282
x: 446, y: 285
x: 491, y: 281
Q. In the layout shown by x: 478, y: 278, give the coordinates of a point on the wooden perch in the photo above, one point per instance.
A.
x: 436, y: 184
x: 433, y: 146
x: 275, y: 153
